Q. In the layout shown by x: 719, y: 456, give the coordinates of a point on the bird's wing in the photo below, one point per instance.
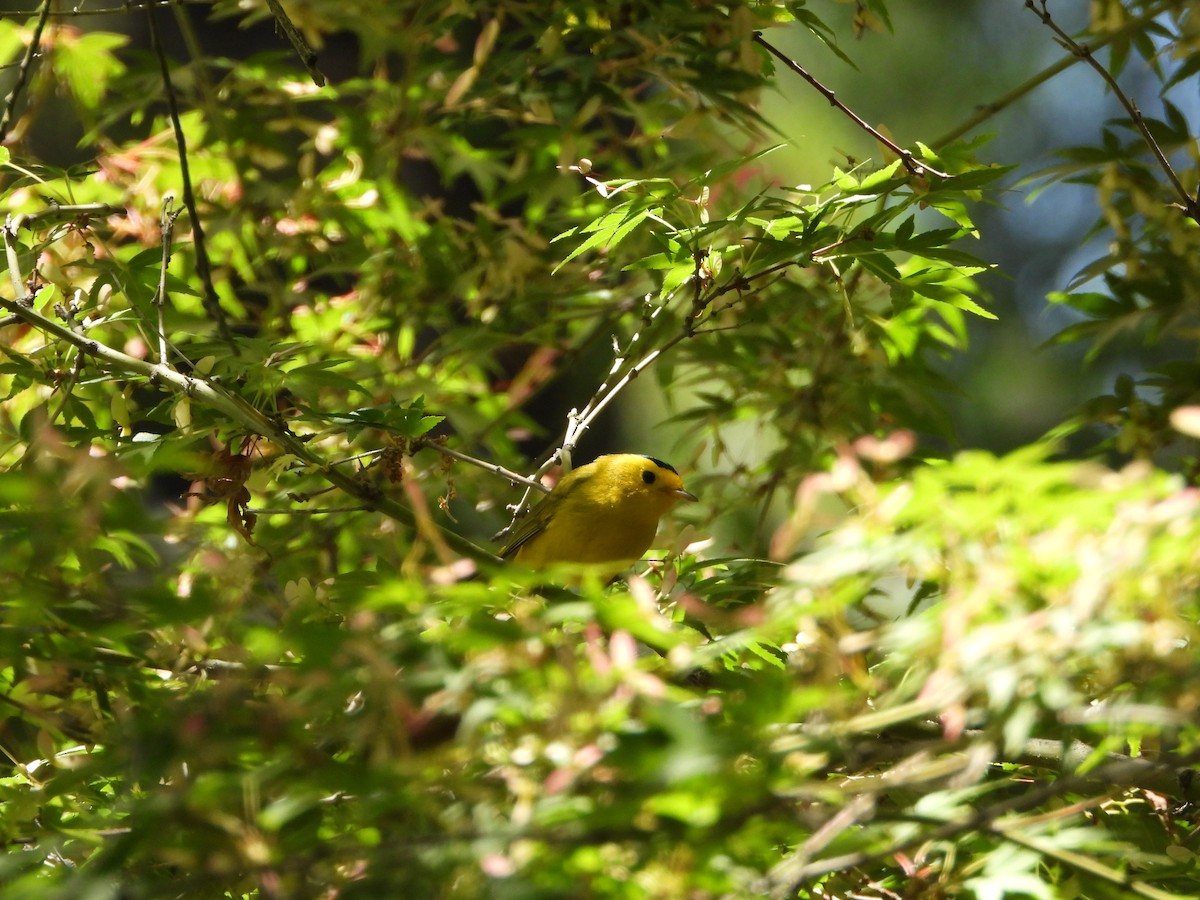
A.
x: 539, y: 517
x: 533, y: 525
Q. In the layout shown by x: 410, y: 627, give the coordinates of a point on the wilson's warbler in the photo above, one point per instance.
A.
x: 604, y: 512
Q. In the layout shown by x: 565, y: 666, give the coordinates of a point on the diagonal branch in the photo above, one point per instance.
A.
x: 625, y: 368
x: 578, y: 421
x: 1189, y: 204
x: 10, y: 103
x: 307, y: 55
x: 911, y: 163
x: 1084, y: 863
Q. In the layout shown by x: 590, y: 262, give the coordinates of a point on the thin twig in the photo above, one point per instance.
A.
x: 579, y: 421
x: 10, y: 102
x: 911, y: 163
x: 203, y: 269
x: 366, y: 454
x: 486, y: 466
x: 1189, y: 204
x: 290, y: 511
x: 620, y: 375
x: 202, y: 86
x: 167, y: 228
x: 224, y: 666
x: 307, y: 55
x: 741, y: 282
x: 10, y: 252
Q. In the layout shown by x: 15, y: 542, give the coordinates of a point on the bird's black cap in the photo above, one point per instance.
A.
x: 661, y: 464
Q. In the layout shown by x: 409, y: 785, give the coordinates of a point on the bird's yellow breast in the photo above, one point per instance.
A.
x: 590, y: 533
x: 605, y: 512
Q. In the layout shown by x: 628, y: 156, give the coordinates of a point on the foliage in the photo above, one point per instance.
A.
x: 280, y: 341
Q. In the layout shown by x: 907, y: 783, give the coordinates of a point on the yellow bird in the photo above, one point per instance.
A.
x: 604, y: 512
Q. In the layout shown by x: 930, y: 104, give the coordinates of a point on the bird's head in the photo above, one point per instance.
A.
x: 646, y: 478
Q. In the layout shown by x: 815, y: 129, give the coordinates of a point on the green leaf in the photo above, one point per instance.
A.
x: 407, y: 421
x: 87, y: 64
x: 699, y: 811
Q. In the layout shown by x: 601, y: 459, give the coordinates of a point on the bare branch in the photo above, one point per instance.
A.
x: 1084, y: 863
x: 203, y: 269
x: 307, y: 55
x: 167, y: 226
x: 620, y: 375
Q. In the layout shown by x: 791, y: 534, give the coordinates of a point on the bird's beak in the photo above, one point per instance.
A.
x: 685, y: 495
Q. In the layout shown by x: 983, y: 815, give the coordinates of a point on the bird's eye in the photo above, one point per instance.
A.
x: 648, y: 477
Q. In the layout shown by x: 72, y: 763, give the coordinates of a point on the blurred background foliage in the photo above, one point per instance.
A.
x: 292, y: 291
